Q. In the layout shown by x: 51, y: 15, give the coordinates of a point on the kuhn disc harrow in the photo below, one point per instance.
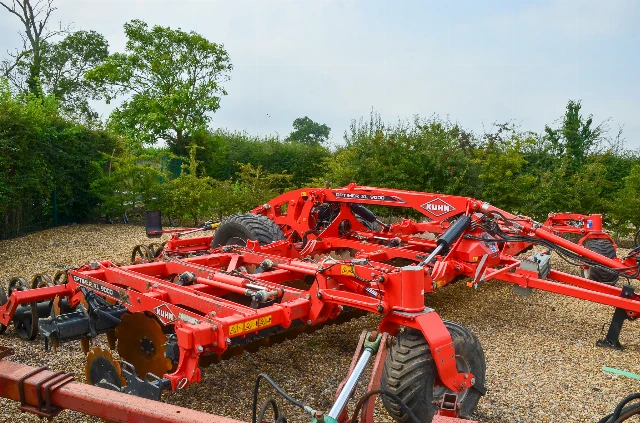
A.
x: 312, y: 257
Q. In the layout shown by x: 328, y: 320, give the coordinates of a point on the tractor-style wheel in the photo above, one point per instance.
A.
x: 411, y: 374
x: 237, y: 229
x: 605, y: 248
x: 3, y: 301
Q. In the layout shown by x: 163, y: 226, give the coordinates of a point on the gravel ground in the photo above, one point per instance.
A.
x: 542, y: 363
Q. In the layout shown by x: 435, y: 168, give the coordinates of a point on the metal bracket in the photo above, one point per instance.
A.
x: 612, y: 340
x: 48, y: 384
x: 151, y: 387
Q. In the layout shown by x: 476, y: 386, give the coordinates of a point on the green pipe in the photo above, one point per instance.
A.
x: 621, y: 372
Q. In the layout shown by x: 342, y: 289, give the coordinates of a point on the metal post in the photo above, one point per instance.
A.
x: 350, y: 385
x: 432, y: 255
x: 371, y: 342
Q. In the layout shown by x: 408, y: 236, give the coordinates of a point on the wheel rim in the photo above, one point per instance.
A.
x: 236, y: 240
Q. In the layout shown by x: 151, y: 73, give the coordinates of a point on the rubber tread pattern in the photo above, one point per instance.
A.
x: 605, y: 248
x: 247, y: 226
x: 410, y: 372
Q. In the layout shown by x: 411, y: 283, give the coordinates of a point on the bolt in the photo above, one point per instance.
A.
x: 441, y: 361
x: 453, y: 357
x: 319, y: 295
x: 435, y: 286
x: 228, y: 341
x: 200, y: 349
x: 437, y: 350
x: 473, y: 380
x: 215, y: 344
x: 213, y: 313
x: 466, y: 376
x: 308, y: 296
x: 380, y: 308
x: 138, y: 299
x: 309, y: 322
x: 215, y: 327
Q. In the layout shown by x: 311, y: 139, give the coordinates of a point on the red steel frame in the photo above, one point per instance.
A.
x: 46, y: 393
x: 209, y: 316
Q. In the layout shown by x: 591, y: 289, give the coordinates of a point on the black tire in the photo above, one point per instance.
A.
x: 3, y: 301
x: 239, y: 228
x: 605, y: 248
x: 410, y: 373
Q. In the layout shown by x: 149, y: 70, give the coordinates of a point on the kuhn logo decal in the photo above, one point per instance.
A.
x: 438, y: 207
x: 165, y: 315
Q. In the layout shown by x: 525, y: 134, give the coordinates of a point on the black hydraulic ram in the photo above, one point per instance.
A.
x: 450, y: 236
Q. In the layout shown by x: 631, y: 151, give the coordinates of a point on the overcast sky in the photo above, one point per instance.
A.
x: 475, y: 62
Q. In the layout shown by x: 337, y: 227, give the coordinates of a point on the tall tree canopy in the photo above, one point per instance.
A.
x: 64, y: 65
x: 309, y: 132
x: 172, y: 80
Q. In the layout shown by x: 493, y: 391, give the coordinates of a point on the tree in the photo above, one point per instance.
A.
x: 309, y: 132
x: 63, y: 67
x: 576, y: 138
x: 172, y: 80
x: 35, y: 18
x: 627, y: 207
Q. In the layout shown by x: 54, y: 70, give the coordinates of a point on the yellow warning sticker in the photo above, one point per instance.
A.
x: 235, y: 329
x: 264, y: 321
x: 250, y: 325
x: 347, y: 270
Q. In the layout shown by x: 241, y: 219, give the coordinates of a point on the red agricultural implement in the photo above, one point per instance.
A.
x: 313, y: 257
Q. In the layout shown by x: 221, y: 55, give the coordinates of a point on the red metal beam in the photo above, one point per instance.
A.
x: 94, y: 401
